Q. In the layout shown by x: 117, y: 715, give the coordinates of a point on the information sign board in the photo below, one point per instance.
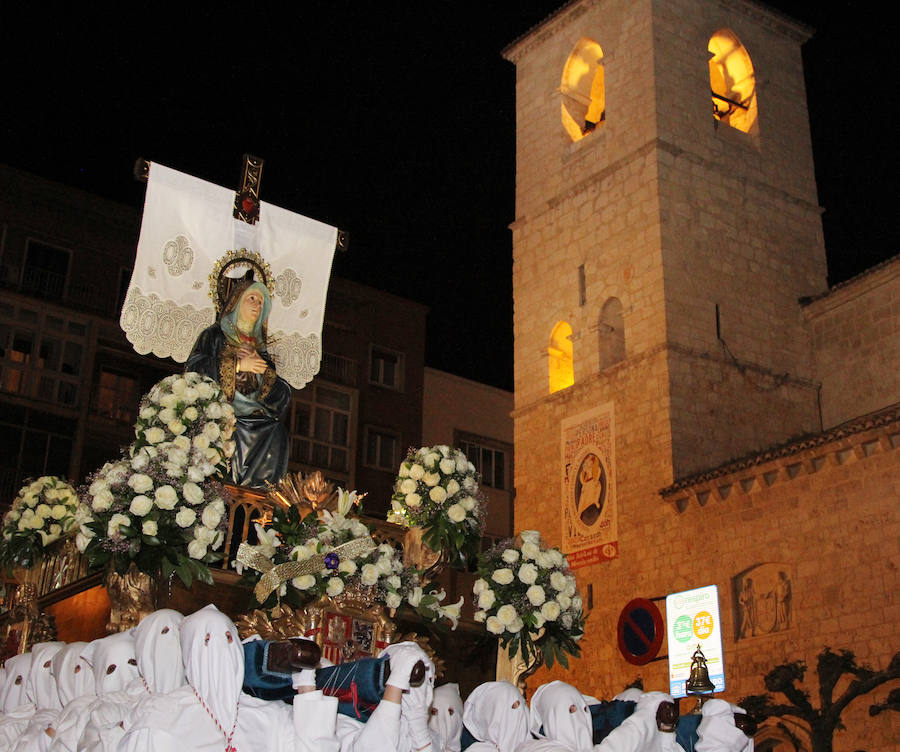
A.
x: 692, y: 620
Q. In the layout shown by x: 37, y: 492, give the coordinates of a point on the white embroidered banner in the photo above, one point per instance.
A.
x: 187, y: 227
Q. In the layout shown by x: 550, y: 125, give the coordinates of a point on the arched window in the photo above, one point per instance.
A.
x: 732, y: 81
x: 611, y: 334
x: 560, y: 358
x: 583, y: 90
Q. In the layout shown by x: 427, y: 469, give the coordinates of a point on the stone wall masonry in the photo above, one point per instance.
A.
x: 825, y: 512
x: 856, y: 341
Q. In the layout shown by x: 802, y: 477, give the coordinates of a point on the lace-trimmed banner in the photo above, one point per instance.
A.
x: 161, y: 326
x: 297, y: 358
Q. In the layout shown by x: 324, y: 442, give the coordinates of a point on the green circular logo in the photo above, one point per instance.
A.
x: 683, y: 628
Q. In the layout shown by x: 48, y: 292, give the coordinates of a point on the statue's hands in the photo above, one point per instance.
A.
x: 250, y: 361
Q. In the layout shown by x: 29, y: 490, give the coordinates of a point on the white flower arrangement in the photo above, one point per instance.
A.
x: 159, y: 506
x: 42, y: 512
x: 527, y: 597
x: 330, y: 552
x: 191, y: 411
x: 437, y: 489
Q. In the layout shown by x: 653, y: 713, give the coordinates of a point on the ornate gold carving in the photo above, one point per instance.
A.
x: 306, y: 494
x: 268, y: 381
x: 132, y: 596
x: 417, y: 553
x: 514, y: 669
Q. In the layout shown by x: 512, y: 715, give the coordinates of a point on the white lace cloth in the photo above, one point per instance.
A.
x: 187, y: 227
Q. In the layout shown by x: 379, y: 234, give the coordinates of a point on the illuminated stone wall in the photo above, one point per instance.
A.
x: 856, y: 342
x: 675, y: 214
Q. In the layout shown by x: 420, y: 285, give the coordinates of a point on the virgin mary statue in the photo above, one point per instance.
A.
x: 233, y: 352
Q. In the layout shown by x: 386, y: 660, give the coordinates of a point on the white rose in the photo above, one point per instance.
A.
x: 479, y: 586
x: 348, y: 566
x: 558, y: 580
x: 564, y: 601
x: 58, y: 511
x: 182, y: 442
x: 393, y: 600
x: 168, y: 400
x: 403, y: 472
x: 408, y: 486
x: 155, y: 435
x: 195, y: 474
x: 550, y: 610
x: 462, y: 464
x: 149, y: 527
x: 140, y: 483
x: 190, y: 413
x: 166, y: 497
x: 96, y: 487
x: 413, y: 500
x: 101, y: 502
x: 196, y: 549
x: 479, y: 616
x: 566, y: 620
x: 205, y: 535
x: 452, y: 488
x: 115, y: 522
x: 193, y: 494
x: 468, y: 503
x: 384, y: 565
x: 147, y: 412
x: 438, y: 495
x: 577, y: 603
x: 211, y: 516
x: 167, y: 415
x: 369, y: 574
x: 211, y: 431
x: 494, y: 625
x: 516, y: 625
x: 190, y: 396
x: 502, y: 576
x: 431, y: 479
x: 416, y: 472
x: 205, y: 390
x: 82, y: 540
x: 177, y: 427
x: 530, y: 550
x: 507, y: 614
x: 213, y: 456
x: 304, y: 582
x: 185, y: 517
x: 536, y: 595
x: 486, y: 599
x: 140, y: 505
x: 543, y: 560
x: 140, y: 461
x: 510, y: 556
x: 447, y: 466
x: 335, y: 586
x: 456, y: 513
x: 213, y: 410
x: 530, y: 536
x: 528, y: 573
x: 42, y: 510
x: 431, y: 459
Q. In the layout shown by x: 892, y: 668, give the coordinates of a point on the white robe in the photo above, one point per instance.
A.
x: 489, y: 715
x: 41, y: 689
x: 560, y: 719
x: 75, y: 686
x: 16, y: 708
x: 717, y: 732
x: 157, y: 646
x: 638, y: 732
x: 214, y: 669
x: 447, y: 718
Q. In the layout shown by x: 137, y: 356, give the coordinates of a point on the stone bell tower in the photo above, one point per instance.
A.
x: 666, y: 225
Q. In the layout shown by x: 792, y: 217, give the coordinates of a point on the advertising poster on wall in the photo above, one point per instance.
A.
x: 589, y: 518
x: 692, y: 621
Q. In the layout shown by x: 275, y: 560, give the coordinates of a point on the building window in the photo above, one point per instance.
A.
x: 583, y: 90
x: 611, y: 334
x: 490, y: 459
x: 40, y: 357
x: 561, y: 357
x: 117, y: 396
x: 386, y: 368
x: 321, y: 428
x: 382, y: 448
x: 45, y: 270
x: 32, y: 444
x: 732, y: 82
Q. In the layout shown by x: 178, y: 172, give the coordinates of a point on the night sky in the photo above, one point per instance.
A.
x: 394, y: 121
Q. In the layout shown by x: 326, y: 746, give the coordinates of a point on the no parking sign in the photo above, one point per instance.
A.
x: 692, y: 620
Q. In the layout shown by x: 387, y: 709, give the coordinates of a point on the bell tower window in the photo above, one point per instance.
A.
x: 583, y: 90
x: 560, y: 357
x: 732, y: 82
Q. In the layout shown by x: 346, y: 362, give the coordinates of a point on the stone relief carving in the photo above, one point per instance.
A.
x: 762, y: 596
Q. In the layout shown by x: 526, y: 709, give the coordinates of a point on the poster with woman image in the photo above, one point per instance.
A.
x: 590, y: 532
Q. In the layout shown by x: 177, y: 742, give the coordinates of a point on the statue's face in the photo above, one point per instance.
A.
x: 251, y: 306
